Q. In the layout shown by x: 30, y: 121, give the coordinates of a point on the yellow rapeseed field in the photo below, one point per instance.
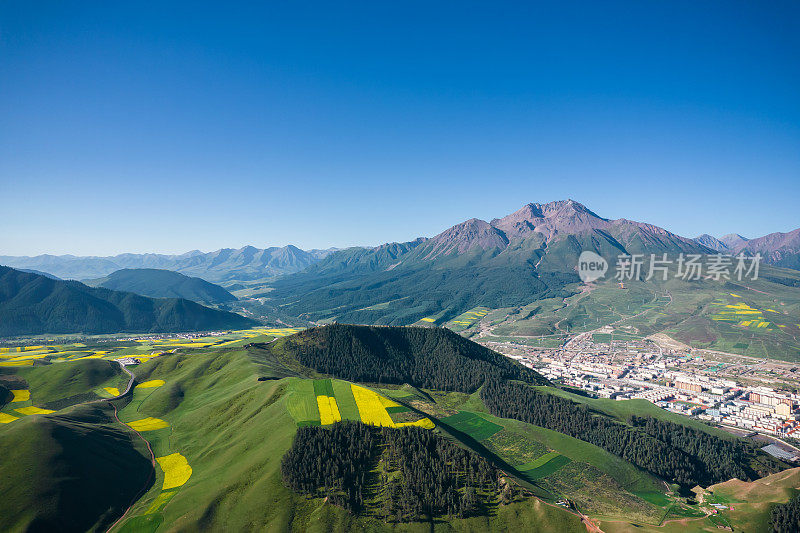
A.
x: 150, y: 384
x: 372, y: 409
x: 5, y: 418
x: 17, y: 363
x: 176, y: 470
x: 427, y: 319
x: 148, y: 424
x: 113, y: 391
x: 31, y: 410
x: 160, y: 501
x: 328, y: 410
x: 22, y: 395
x: 425, y: 423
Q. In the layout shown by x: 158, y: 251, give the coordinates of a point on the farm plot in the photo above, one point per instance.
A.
x: 176, y: 470
x: 148, y: 424
x: 472, y: 424
x: 372, y: 408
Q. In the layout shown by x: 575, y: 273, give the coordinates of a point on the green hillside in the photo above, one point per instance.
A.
x: 31, y: 304
x: 752, y: 317
x: 74, y: 471
x: 157, y: 283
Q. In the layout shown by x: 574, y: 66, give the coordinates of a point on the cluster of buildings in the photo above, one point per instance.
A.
x: 639, y: 369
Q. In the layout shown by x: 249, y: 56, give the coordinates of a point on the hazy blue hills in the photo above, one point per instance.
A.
x: 157, y: 283
x: 227, y: 264
x: 32, y: 304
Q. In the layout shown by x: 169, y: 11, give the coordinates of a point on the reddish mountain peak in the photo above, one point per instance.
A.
x: 563, y: 216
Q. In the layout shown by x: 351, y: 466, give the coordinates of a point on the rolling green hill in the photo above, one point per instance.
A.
x: 74, y: 471
x: 157, y: 283
x: 31, y: 304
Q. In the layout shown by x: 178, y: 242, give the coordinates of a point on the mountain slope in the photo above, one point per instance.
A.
x: 31, y: 304
x: 712, y: 242
x: 780, y: 249
x: 157, y: 283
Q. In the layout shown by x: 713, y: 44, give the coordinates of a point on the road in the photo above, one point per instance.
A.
x: 146, y: 486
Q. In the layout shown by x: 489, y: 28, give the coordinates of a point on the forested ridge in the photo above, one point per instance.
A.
x: 677, y: 453
x: 31, y: 304
x: 421, y: 474
x: 434, y: 358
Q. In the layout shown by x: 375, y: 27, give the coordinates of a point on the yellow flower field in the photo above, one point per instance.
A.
x: 160, y: 501
x: 113, y: 391
x: 425, y: 423
x: 148, y: 424
x: 31, y: 410
x: 5, y: 418
x: 176, y: 470
x: 17, y: 363
x: 328, y: 410
x: 372, y: 409
x: 427, y: 319
x: 22, y: 395
x: 150, y: 384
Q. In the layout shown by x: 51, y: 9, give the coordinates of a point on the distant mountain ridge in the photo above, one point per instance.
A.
x: 779, y: 249
x: 226, y: 264
x: 31, y: 304
x: 158, y: 283
x: 529, y: 254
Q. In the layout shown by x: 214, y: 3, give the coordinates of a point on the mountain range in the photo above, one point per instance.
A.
x: 536, y: 226
x: 779, y: 249
x: 510, y: 261
x: 226, y: 264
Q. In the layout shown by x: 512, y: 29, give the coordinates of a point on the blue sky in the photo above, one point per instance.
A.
x: 166, y: 127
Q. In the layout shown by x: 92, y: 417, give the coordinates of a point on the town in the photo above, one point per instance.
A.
x: 746, y: 396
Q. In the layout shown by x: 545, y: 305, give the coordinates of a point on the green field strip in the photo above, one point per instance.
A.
x: 397, y: 409
x: 301, y: 402
x: 472, y: 424
x: 552, y: 465
x: 323, y: 387
x: 539, y: 461
x: 345, y: 400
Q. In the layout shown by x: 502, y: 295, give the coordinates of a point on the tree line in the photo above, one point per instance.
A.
x: 434, y: 358
x: 422, y: 474
x: 670, y: 451
x: 785, y: 517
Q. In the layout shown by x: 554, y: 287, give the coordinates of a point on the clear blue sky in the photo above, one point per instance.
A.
x: 164, y: 127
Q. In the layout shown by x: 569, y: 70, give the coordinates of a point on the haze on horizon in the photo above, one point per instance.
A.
x: 180, y: 126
